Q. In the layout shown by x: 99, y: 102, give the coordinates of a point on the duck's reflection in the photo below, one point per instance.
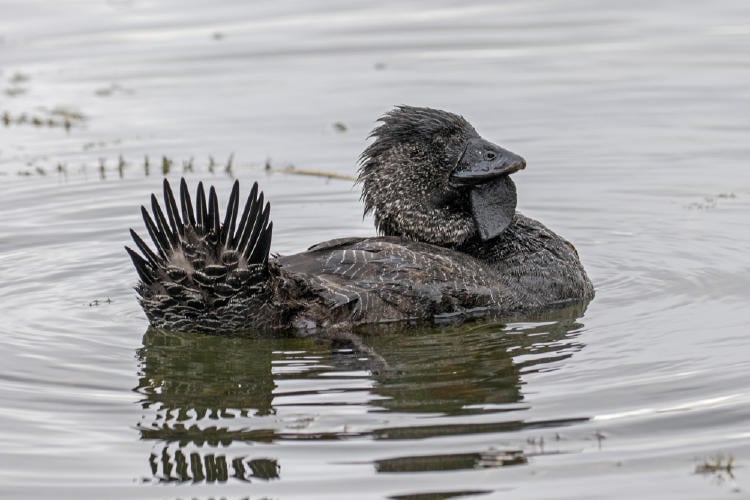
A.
x: 199, y: 376
x: 176, y: 466
x: 193, y: 387
x: 202, y: 394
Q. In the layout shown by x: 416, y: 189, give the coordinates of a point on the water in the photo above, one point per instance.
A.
x: 633, y: 119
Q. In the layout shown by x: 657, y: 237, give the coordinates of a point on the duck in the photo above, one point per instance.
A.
x: 450, y: 245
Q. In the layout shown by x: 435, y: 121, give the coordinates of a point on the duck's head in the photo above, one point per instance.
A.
x: 429, y: 176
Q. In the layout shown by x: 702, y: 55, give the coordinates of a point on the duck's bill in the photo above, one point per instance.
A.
x: 483, y: 161
x: 493, y: 205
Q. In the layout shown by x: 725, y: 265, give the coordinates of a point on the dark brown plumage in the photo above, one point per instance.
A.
x: 452, y: 247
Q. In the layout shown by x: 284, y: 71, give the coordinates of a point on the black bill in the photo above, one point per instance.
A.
x: 482, y: 161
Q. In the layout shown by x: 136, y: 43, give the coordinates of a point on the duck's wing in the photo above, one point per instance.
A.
x: 335, y: 243
x: 389, y: 279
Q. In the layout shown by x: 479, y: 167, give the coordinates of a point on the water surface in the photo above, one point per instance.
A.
x: 633, y: 120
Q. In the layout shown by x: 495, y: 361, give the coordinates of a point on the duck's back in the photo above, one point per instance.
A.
x: 373, y: 280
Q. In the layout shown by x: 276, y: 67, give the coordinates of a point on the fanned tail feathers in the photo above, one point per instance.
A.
x: 199, y: 264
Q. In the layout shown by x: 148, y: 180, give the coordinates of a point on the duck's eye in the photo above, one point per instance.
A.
x: 490, y: 155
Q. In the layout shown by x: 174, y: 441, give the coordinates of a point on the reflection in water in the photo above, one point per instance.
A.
x: 198, y: 376
x: 468, y: 369
x: 210, y: 468
x: 203, y: 393
x: 454, y: 461
x: 196, y: 385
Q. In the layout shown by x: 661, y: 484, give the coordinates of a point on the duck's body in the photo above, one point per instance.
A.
x: 374, y: 280
x: 218, y: 278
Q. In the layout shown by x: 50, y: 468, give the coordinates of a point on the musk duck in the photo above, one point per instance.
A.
x: 450, y: 245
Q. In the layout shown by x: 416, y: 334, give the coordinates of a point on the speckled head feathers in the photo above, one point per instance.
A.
x: 405, y: 172
x: 409, y: 124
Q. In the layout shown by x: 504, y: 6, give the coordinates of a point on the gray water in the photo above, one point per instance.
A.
x: 633, y: 118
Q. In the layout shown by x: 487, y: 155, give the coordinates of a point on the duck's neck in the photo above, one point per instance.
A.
x: 496, y: 249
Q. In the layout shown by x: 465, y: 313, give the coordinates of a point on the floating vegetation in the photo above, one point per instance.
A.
x: 187, y: 166
x: 718, y: 465
x: 228, y: 167
x: 67, y: 114
x: 16, y: 86
x: 600, y: 437
x: 536, y: 442
x: 292, y: 170
x: 121, y: 164
x: 15, y: 91
x: 100, y: 144
x: 165, y: 166
x: 98, y: 302
x: 112, y: 89
x: 711, y: 202
x: 19, y: 78
x: 57, y: 117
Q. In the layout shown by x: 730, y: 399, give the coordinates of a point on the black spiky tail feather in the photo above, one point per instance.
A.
x: 204, y: 274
